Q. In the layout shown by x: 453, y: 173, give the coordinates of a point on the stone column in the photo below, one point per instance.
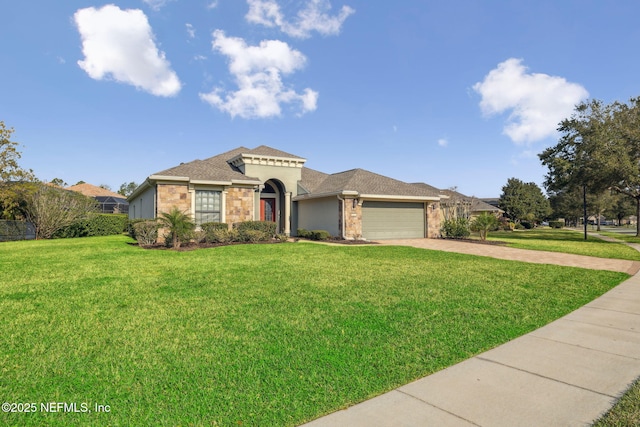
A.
x: 223, y: 206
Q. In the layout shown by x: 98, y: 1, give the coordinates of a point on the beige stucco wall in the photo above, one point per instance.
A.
x: 319, y: 214
x: 289, y: 176
x: 144, y: 205
x: 240, y: 204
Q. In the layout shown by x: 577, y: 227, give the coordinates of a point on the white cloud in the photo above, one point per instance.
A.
x: 156, y: 4
x: 191, y: 32
x: 120, y: 44
x: 258, y: 72
x: 314, y: 16
x: 442, y: 142
x: 213, y: 4
x: 538, y: 102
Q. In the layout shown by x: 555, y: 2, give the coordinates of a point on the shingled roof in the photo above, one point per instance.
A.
x: 477, y: 205
x: 363, y: 182
x: 94, y: 191
x: 218, y: 168
x: 315, y: 183
x: 214, y: 168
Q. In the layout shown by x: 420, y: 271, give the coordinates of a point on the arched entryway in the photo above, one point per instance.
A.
x: 272, y: 204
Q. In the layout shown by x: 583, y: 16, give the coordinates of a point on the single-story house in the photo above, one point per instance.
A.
x: 475, y: 205
x: 109, y: 202
x: 270, y: 185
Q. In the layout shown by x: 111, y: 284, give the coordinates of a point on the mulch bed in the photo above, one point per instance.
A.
x: 193, y: 246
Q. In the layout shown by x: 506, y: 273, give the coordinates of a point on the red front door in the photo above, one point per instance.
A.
x: 268, y: 210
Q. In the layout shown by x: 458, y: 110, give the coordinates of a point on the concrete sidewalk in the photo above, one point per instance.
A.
x: 567, y: 373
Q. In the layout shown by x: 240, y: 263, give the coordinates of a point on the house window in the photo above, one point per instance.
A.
x: 208, y: 206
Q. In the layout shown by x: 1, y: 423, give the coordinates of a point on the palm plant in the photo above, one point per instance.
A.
x: 484, y: 223
x: 180, y: 225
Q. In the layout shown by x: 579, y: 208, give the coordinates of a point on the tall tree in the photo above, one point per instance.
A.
x: 599, y: 148
x: 51, y: 209
x: 622, y: 207
x: 14, y: 180
x: 523, y: 201
x: 59, y: 182
x: 567, y: 204
x: 127, y: 188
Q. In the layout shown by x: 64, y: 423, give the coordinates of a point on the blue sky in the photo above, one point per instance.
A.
x: 455, y: 93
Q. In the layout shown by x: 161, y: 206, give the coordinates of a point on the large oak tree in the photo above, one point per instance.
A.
x: 599, y: 149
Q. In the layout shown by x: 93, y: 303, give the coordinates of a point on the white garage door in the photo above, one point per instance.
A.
x: 392, y: 220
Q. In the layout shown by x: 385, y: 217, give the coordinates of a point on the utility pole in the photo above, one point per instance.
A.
x: 584, y: 205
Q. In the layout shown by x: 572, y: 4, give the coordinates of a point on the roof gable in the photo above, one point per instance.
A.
x: 93, y: 191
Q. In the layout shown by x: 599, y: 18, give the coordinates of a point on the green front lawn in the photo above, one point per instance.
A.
x: 252, y: 334
x: 567, y: 241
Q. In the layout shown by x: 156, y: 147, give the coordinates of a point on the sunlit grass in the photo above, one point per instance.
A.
x: 626, y: 412
x: 566, y: 241
x: 252, y: 334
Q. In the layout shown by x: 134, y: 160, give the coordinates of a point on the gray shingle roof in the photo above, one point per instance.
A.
x: 477, y: 205
x: 365, y: 182
x: 217, y: 168
x: 214, y: 168
x: 265, y: 150
x: 312, y: 179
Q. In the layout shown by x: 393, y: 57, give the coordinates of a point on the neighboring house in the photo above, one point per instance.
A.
x: 454, y: 204
x: 109, y: 201
x: 270, y: 185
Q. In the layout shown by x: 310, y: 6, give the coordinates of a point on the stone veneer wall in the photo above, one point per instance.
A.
x: 239, y: 205
x: 353, y: 220
x: 433, y: 220
x: 170, y: 195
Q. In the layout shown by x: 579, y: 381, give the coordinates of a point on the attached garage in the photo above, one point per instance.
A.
x: 393, y: 220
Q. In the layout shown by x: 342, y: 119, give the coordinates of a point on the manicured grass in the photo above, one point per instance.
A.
x: 252, y: 334
x: 566, y: 241
x: 629, y: 238
x: 626, y: 412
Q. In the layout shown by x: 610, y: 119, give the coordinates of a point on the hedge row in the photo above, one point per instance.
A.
x: 145, y: 231
x: 96, y: 225
x: 314, y: 234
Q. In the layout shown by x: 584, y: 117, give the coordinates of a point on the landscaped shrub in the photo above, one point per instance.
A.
x: 483, y: 224
x: 252, y: 236
x: 320, y: 235
x: 527, y: 225
x: 107, y: 225
x: 457, y: 228
x: 556, y: 224
x: 505, y: 224
x: 146, y: 232
x: 96, y: 225
x: 131, y: 226
x: 219, y: 236
x: 214, y: 231
x: 180, y: 226
x: 265, y: 230
x: 313, y: 234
